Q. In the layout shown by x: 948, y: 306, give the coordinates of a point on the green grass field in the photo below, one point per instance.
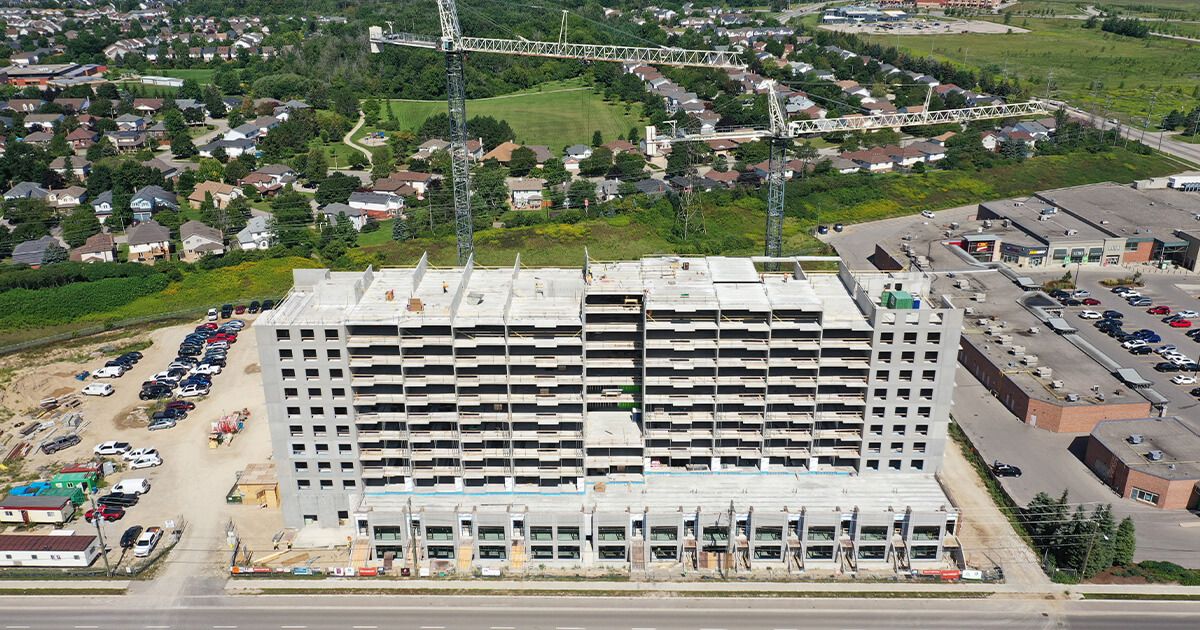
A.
x: 1125, y: 70
x: 201, y: 75
x: 555, y: 114
x: 1147, y: 8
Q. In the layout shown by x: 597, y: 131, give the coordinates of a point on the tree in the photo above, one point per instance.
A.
x: 357, y: 161
x: 182, y: 146
x: 1124, y: 543
x: 581, y: 190
x: 401, y: 230
x: 316, y: 166
x: 189, y: 89
x: 79, y: 225
x: 1173, y: 120
x: 523, y: 160
x: 630, y: 164
x: 597, y: 138
x: 291, y: 218
x: 489, y: 190
x: 336, y: 189
x: 597, y: 163
x: 633, y: 135
x: 54, y: 254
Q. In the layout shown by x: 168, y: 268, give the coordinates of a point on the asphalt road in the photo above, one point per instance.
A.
x: 364, y: 612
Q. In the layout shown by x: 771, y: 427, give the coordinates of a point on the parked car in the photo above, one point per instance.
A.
x: 239, y: 309
x: 194, y: 390
x: 186, y: 405
x: 1140, y: 301
x: 1133, y: 343
x: 1195, y: 392
x: 1161, y: 309
x: 1090, y: 315
x: 105, y: 512
x: 1081, y: 293
x: 140, y: 452
x: 155, y: 392
x: 112, y: 447
x: 927, y: 214
x: 254, y: 304
x: 135, y: 485
x: 109, y: 371
x: 59, y: 443
x: 1165, y: 366
x: 270, y: 304
x: 117, y: 499
x: 1140, y: 350
x: 1189, y: 314
x: 207, y: 368
x: 1181, y: 323
x: 212, y: 315
x: 119, y: 362
x: 1059, y: 294
x: 147, y: 542
x: 149, y: 461
x: 1120, y: 290
x: 1111, y: 314
x: 98, y: 389
x: 1183, y: 379
x: 1091, y: 301
x: 162, y: 423
x: 1000, y: 469
x: 129, y: 538
x: 226, y: 311
x: 207, y: 326
x: 174, y: 414
x: 1071, y: 302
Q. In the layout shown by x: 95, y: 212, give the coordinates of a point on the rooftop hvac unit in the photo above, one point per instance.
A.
x: 1057, y: 384
x: 1030, y: 360
x: 1071, y: 232
x: 1017, y: 350
x: 1005, y: 338
x: 1154, y: 456
x: 969, y: 311
x: 983, y: 321
x: 963, y: 283
x: 1072, y: 397
x: 979, y: 297
x: 1043, y: 217
x: 1043, y: 371
x: 1033, y: 330
x: 1135, y: 438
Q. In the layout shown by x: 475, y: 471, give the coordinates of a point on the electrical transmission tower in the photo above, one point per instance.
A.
x: 453, y: 44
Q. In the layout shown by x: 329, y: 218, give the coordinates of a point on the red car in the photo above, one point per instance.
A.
x: 241, y: 308
x: 185, y: 405
x: 1181, y: 323
x: 226, y: 337
x: 1159, y: 310
x: 106, y: 512
x: 1091, y: 302
x: 207, y: 326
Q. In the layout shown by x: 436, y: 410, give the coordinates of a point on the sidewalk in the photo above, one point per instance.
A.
x: 6, y: 585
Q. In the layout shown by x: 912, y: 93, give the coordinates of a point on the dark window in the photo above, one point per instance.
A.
x: 281, y: 335
x: 306, y: 334
x: 331, y: 334
x: 285, y: 355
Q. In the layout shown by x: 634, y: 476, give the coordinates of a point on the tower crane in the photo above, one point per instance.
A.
x: 454, y: 45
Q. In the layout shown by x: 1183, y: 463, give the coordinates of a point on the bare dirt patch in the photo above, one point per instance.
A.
x: 253, y: 368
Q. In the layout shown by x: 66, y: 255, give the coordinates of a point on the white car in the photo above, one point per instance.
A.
x: 1169, y: 348
x: 1081, y: 293
x: 212, y: 315
x: 1188, y: 314
x: 149, y: 461
x: 132, y: 486
x: 223, y: 345
x: 112, y: 447
x: 1177, y: 358
x: 1130, y: 294
x: 139, y: 453
x: 1183, y: 379
x: 927, y: 214
x: 147, y: 542
x: 98, y: 389
x: 1134, y: 343
x: 1090, y: 315
x: 112, y: 371
x: 206, y: 368
x: 200, y: 390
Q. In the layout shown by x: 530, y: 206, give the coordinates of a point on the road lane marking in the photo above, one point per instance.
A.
x: 568, y: 628
x: 502, y: 628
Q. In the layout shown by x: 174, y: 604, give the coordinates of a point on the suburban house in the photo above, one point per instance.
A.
x: 222, y: 194
x: 148, y: 106
x: 269, y: 179
x: 33, y: 253
x: 244, y: 131
x: 651, y: 187
x: 26, y: 190
x: 54, y: 550
x: 503, y: 153
x: 99, y: 247
x: 102, y: 205
x: 151, y: 199
x: 376, y: 205
x: 200, y: 240
x: 232, y: 148
x: 39, y: 138
x: 129, y: 122
x: 68, y: 197
x: 82, y: 138
x: 35, y: 510
x: 394, y: 184
x: 127, y: 140
x: 526, y: 193
x: 256, y: 234
x: 844, y: 166
x: 725, y: 179
x: 43, y: 122
x: 74, y: 164
x: 149, y: 242
x: 356, y: 216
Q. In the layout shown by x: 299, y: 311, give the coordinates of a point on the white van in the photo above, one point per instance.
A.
x: 131, y: 486
x: 98, y: 389
x: 212, y: 315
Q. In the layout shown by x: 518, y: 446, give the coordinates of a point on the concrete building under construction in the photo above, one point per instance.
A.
x: 622, y: 414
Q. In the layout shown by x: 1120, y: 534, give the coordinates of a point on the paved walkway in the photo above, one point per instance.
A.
x: 348, y: 138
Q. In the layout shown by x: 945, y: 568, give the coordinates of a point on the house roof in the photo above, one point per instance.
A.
x: 104, y: 197
x: 97, y: 243
x: 196, y: 228
x: 334, y: 209
x: 148, y: 232
x: 22, y: 502
x: 276, y: 169
x: 373, y: 197
x: 33, y: 252
x: 726, y: 176
x: 526, y: 185
x: 256, y: 224
x: 33, y: 542
x: 210, y: 187
x: 76, y: 162
x: 156, y: 193
x: 26, y: 189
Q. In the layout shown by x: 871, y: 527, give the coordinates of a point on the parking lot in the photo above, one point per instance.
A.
x: 190, y: 486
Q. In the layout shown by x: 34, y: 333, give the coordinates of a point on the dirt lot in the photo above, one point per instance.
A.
x: 191, y: 485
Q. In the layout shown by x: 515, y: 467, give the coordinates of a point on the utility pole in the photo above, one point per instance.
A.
x: 99, y: 532
x: 1088, y: 554
x: 1149, y: 114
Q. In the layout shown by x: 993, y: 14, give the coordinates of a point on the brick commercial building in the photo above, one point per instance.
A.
x: 1151, y: 460
x: 470, y: 413
x: 1010, y: 345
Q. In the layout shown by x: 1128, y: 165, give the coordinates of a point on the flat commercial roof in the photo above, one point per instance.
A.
x: 709, y: 491
x: 1178, y: 443
x: 1077, y: 371
x: 1123, y: 211
x: 1059, y: 227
